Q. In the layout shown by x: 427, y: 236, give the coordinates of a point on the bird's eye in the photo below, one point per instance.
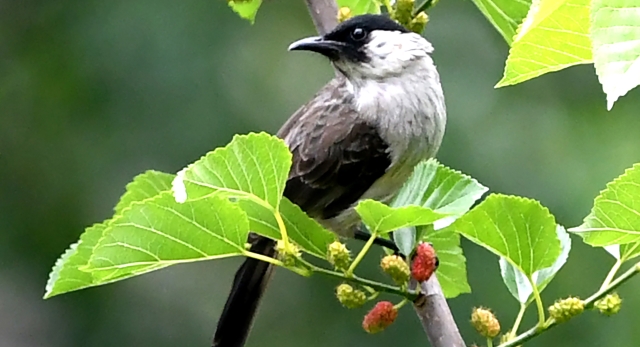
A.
x: 358, y: 34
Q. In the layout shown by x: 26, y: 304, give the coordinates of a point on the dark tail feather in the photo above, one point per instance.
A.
x: 248, y: 285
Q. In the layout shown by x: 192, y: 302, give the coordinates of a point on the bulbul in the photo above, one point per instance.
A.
x: 358, y: 138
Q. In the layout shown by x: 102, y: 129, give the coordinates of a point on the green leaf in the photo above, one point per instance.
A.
x: 517, y: 282
x: 553, y: 36
x: 143, y: 186
x: 452, y: 272
x: 66, y: 275
x: 518, y: 229
x: 252, y: 170
x: 629, y: 251
x: 624, y: 252
x: 359, y: 7
x: 505, y: 15
x: 405, y: 238
x: 380, y: 218
x: 615, y: 32
x: 253, y: 165
x: 246, y: 9
x: 443, y: 190
x: 615, y: 217
x: 435, y: 186
x: 158, y: 232
x: 304, y: 231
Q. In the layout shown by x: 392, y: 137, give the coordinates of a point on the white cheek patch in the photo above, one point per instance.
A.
x: 390, y: 53
x: 380, y: 47
x: 396, y: 45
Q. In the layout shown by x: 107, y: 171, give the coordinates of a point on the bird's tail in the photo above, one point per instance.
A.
x: 248, y: 285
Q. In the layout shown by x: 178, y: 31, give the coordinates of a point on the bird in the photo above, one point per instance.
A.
x: 359, y: 137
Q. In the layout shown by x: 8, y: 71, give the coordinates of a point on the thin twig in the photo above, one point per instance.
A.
x: 381, y: 287
x: 588, y: 303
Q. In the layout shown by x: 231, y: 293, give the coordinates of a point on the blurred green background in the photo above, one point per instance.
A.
x: 94, y: 92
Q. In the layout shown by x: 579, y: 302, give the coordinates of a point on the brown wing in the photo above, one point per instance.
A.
x: 336, y: 156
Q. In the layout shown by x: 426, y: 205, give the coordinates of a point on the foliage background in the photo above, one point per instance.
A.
x: 94, y: 92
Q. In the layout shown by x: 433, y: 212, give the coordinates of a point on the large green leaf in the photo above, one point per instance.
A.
x: 439, y: 188
x: 452, y: 271
x: 443, y: 190
x: 66, y: 275
x: 253, y: 165
x: 143, y: 186
x: 517, y: 282
x: 615, y: 217
x: 380, y: 218
x: 615, y: 31
x: 247, y: 9
x: 253, y: 170
x: 158, y: 232
x: 358, y: 7
x: 505, y: 15
x: 553, y: 36
x: 518, y: 229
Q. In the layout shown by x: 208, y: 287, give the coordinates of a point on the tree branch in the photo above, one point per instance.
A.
x: 435, y: 315
x: 431, y: 306
x: 324, y: 14
x: 588, y: 303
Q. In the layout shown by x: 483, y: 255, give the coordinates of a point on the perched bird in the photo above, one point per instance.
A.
x: 358, y: 138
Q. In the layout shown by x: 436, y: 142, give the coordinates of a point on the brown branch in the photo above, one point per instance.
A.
x: 324, y: 14
x: 435, y: 315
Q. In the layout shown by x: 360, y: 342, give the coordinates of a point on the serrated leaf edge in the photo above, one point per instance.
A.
x: 579, y: 229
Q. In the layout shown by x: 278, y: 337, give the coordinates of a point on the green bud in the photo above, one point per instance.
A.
x: 350, y: 297
x: 485, y: 322
x: 288, y: 256
x: 609, y: 305
x: 565, y: 309
x: 344, y: 13
x: 339, y: 255
x: 418, y: 23
x: 403, y: 11
x: 396, y: 268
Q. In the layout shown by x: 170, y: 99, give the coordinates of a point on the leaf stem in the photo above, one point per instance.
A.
x: 539, y: 304
x: 361, y: 255
x: 401, y: 303
x: 283, y: 230
x: 381, y: 287
x: 276, y: 214
x: 489, y: 342
x: 264, y: 258
x: 516, y: 324
x: 387, y: 4
x: 423, y: 6
x: 611, y: 274
x: 588, y: 303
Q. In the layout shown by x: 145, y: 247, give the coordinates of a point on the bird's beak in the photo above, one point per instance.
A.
x: 318, y: 44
